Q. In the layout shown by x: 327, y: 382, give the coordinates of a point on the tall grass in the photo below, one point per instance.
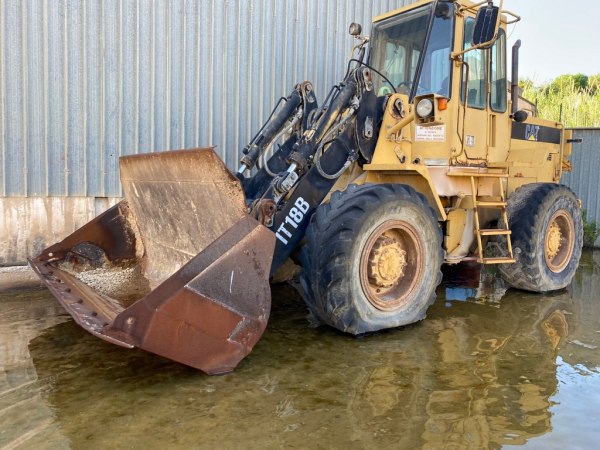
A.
x: 566, y: 103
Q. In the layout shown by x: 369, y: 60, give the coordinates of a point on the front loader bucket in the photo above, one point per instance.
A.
x: 177, y: 268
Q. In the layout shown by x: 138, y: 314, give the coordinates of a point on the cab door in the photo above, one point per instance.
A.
x: 484, y: 88
x: 473, y: 114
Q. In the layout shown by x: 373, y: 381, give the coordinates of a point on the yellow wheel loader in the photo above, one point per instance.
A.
x: 417, y: 158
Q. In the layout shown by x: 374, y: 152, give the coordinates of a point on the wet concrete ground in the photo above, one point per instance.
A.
x: 482, y: 371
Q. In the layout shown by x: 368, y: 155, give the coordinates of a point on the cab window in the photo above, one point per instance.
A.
x: 396, y: 45
x: 395, y: 62
x: 499, y: 86
x: 474, y: 73
x: 436, y: 71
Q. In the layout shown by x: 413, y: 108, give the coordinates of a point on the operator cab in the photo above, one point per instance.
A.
x: 449, y: 58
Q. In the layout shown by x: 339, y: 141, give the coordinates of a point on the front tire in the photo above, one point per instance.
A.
x: 372, y: 258
x: 547, y: 237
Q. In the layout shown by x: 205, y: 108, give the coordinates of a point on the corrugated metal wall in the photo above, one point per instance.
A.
x: 85, y: 81
x: 584, y: 179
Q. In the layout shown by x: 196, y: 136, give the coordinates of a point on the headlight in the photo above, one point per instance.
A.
x: 424, y: 108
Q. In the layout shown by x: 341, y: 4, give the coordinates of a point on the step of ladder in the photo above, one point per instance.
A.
x: 494, y: 232
x: 488, y: 204
x: 498, y: 260
x: 495, y: 260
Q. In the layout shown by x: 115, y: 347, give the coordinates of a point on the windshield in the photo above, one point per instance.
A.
x: 397, y: 44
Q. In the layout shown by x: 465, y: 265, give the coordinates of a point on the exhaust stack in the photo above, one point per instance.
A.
x: 514, y: 87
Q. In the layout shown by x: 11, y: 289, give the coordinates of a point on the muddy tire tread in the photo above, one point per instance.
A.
x: 324, y: 256
x: 527, y: 211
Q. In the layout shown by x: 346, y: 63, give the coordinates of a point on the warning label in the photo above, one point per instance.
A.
x: 435, y: 133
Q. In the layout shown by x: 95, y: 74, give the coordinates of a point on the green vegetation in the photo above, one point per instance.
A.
x: 591, y: 231
x: 573, y: 100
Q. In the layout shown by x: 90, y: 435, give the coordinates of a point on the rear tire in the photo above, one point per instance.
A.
x: 547, y: 237
x: 372, y: 258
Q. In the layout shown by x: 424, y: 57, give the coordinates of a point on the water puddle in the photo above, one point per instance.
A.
x: 488, y: 368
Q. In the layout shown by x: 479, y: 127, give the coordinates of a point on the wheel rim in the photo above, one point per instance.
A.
x: 559, y: 241
x: 391, y: 265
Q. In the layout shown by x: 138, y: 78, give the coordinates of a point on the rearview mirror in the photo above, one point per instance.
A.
x: 485, y: 24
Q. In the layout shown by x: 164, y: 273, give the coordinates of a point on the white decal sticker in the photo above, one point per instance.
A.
x: 435, y: 133
x: 470, y: 141
x: 292, y: 220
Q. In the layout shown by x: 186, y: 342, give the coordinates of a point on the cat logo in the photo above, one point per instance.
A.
x: 532, y: 132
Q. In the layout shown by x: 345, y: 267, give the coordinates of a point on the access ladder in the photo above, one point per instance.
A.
x: 483, y: 232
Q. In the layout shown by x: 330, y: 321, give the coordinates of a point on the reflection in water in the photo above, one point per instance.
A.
x: 498, y: 372
x: 25, y: 416
x: 480, y: 373
x: 473, y: 282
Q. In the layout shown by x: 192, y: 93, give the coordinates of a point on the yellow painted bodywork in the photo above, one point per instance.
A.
x: 457, y: 219
x: 429, y: 165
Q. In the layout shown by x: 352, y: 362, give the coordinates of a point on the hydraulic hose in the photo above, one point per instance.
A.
x: 340, y: 102
x: 270, y: 130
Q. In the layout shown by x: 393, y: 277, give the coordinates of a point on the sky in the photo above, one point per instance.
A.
x: 556, y: 37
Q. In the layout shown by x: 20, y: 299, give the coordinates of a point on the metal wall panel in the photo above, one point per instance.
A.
x: 584, y: 179
x: 85, y: 81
